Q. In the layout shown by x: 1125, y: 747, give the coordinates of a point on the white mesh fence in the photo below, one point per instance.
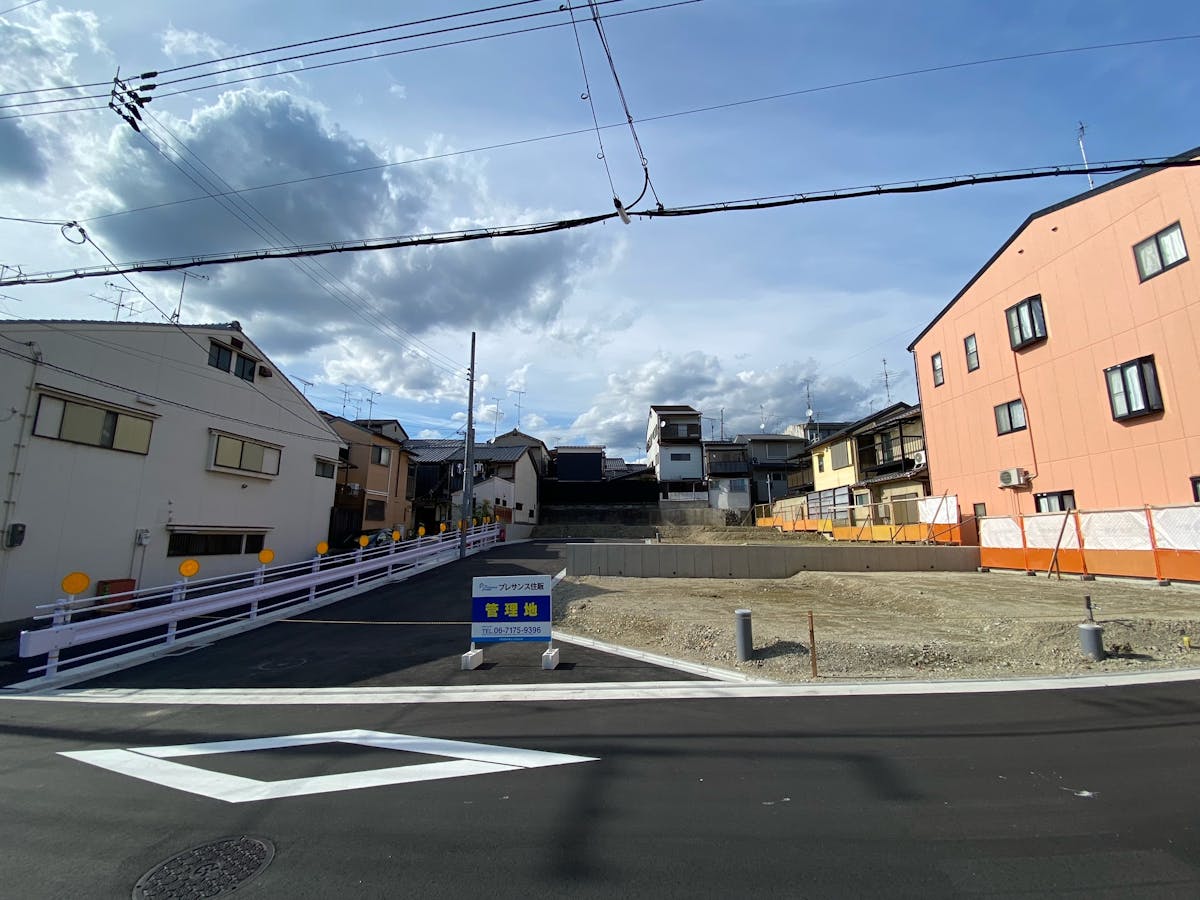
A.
x: 939, y: 510
x: 1123, y: 529
x: 1177, y: 527
x: 1043, y: 531
x: 997, y: 531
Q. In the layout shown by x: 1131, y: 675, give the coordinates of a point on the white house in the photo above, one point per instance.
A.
x: 674, y: 448
x: 131, y: 447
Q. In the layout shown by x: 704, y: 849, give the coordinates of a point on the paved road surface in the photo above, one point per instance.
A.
x: 990, y: 795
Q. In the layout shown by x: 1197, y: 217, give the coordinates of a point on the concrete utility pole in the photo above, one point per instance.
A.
x: 468, y: 505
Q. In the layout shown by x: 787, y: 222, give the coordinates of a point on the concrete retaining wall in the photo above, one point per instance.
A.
x: 761, y: 561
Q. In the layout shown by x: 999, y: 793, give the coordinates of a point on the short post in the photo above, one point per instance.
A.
x: 550, y: 657
x: 316, y: 567
x: 62, y: 615
x: 1091, y: 635
x: 358, y: 555
x: 178, y: 592
x: 812, y: 645
x: 742, y: 633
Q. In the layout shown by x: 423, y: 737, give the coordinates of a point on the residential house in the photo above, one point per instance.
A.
x: 675, y: 451
x: 1060, y: 375
x: 504, y: 482
x: 131, y: 447
x: 538, y: 451
x: 374, y: 491
x: 871, y: 465
x: 581, y: 463
x: 727, y: 468
x: 773, y: 457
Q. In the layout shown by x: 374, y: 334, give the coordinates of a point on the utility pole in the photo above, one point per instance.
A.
x: 722, y: 423
x: 519, y: 394
x: 468, y: 505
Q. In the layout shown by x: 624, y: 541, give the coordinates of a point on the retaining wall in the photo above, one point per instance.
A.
x: 760, y: 561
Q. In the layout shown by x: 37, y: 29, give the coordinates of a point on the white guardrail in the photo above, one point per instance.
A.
x: 244, y: 597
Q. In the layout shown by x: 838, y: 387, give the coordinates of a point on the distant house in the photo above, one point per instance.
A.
x: 727, y: 467
x: 675, y: 450
x: 1062, y: 374
x: 580, y: 463
x: 538, y: 451
x: 136, y: 446
x: 504, y: 480
x: 876, y: 461
x: 773, y: 458
x: 373, y: 488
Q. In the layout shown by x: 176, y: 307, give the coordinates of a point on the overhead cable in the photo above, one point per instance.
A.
x: 476, y: 234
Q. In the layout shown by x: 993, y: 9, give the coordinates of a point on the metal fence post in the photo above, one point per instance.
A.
x: 62, y: 615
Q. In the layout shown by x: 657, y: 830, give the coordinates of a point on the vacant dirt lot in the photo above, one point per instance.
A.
x: 890, y: 625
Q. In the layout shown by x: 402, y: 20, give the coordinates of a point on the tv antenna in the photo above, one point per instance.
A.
x: 496, y: 419
x: 182, y: 285
x: 1083, y: 153
x: 519, y: 394
x: 119, y: 303
x: 887, y: 384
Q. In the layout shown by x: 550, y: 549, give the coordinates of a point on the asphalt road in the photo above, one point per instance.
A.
x: 996, y: 795
x: 409, y: 633
x: 1091, y: 792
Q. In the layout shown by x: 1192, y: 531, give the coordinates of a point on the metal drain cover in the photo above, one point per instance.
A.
x: 210, y: 870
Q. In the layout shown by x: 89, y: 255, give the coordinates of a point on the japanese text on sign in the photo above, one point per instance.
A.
x: 514, y: 608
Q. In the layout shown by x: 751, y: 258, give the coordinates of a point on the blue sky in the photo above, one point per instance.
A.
x: 744, y: 312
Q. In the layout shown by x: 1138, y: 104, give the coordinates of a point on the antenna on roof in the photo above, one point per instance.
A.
x: 1083, y: 153
x: 887, y: 384
x: 519, y: 394
x: 307, y: 384
x: 496, y: 420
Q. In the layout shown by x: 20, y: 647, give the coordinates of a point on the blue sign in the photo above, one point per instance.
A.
x: 510, y: 608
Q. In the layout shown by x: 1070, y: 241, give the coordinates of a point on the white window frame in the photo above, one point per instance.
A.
x: 52, y: 413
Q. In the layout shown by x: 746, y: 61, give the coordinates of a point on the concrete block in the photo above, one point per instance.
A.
x: 613, y: 559
x: 550, y: 659
x: 652, y: 561
x: 739, y: 563
x: 634, y: 560
x: 771, y: 562
x: 668, y: 561
x: 699, y: 561
x: 472, y: 659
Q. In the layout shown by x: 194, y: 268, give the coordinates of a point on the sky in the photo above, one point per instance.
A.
x: 752, y: 317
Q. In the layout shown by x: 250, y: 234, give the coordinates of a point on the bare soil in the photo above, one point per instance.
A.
x: 890, y: 625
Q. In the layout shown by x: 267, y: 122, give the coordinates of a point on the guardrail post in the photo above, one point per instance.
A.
x: 358, y: 555
x: 316, y: 567
x: 258, y: 580
x: 62, y: 615
x: 178, y: 593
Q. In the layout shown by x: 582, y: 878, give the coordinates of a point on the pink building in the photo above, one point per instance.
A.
x: 1065, y: 373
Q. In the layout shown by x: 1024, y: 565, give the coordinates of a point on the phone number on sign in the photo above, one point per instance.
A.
x: 503, y: 630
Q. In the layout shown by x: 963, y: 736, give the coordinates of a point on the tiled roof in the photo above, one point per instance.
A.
x: 442, y: 450
x: 917, y: 474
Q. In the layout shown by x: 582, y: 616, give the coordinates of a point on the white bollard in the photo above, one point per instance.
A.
x: 550, y: 659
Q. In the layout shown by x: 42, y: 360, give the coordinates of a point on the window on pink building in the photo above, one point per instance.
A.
x: 1055, y: 501
x: 1026, y: 322
x: 939, y: 376
x: 1133, y: 388
x: 1010, y: 417
x: 1160, y: 252
x: 972, y: 349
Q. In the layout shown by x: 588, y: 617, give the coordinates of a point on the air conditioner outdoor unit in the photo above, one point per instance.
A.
x: 919, y: 458
x: 1012, y: 477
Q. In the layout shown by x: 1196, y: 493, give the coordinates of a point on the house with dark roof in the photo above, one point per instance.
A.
x: 1064, y: 373
x: 504, y: 483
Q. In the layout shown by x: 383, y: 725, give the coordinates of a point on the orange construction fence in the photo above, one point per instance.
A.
x: 1161, y: 542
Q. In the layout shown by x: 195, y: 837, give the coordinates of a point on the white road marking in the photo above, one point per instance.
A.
x: 464, y: 758
x: 601, y: 691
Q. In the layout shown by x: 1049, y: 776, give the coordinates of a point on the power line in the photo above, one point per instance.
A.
x: 452, y: 237
x: 314, y: 271
x: 655, y: 118
x: 587, y: 95
x: 21, y: 6
x: 223, y: 81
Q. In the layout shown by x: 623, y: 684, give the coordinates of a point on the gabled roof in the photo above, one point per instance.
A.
x: 443, y: 450
x: 380, y: 423
x: 216, y: 326
x: 1070, y: 201
x: 877, y: 419
x: 357, y: 426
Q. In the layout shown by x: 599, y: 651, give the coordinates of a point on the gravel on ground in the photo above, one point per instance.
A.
x: 891, y: 625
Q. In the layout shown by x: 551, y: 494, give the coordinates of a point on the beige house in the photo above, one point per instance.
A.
x: 131, y: 447
x: 373, y: 486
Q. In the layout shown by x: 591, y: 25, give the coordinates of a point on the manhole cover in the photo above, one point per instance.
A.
x: 278, y: 665
x: 210, y: 870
